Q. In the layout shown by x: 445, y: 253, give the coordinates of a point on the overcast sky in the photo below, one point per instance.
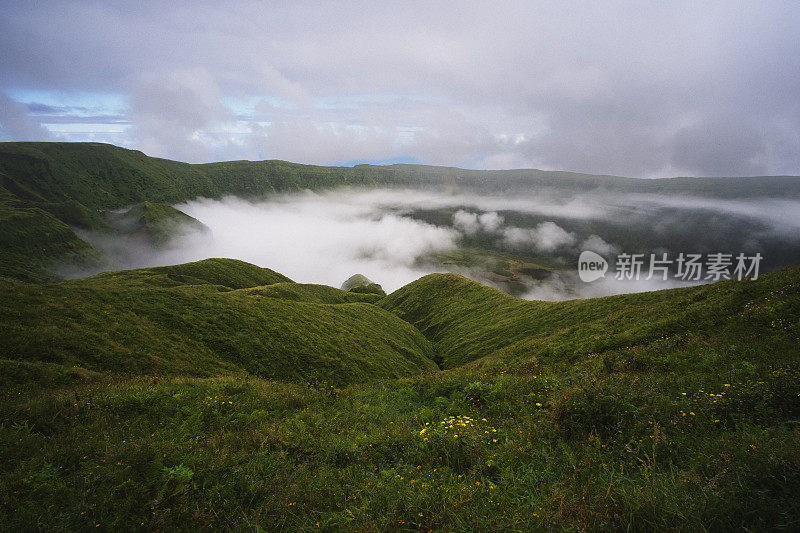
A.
x: 630, y: 88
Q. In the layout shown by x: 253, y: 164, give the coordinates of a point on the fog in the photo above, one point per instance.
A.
x: 395, y: 236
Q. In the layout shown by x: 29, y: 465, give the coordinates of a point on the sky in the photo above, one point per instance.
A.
x: 633, y: 88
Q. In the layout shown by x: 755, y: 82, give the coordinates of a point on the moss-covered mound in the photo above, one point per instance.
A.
x: 362, y: 284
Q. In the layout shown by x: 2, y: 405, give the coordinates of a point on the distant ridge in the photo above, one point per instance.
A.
x: 48, y: 188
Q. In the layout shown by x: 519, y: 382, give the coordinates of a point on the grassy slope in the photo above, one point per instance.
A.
x: 226, y: 273
x: 32, y: 239
x: 313, y: 293
x: 674, y: 410
x: 190, y: 320
x: 47, y: 187
x: 668, y: 410
x: 466, y: 320
x: 106, y: 176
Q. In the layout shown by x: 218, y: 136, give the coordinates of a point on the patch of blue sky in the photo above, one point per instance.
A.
x: 78, y: 104
x: 86, y: 128
x: 398, y: 160
x: 246, y: 107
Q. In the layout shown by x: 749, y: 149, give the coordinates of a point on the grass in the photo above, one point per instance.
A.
x: 32, y: 241
x: 466, y: 321
x: 208, y: 318
x: 674, y: 410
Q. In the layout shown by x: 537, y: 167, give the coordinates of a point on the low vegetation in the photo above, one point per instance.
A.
x: 207, y: 318
x: 673, y: 410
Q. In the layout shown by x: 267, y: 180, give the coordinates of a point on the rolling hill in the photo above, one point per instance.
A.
x: 466, y: 321
x: 213, y: 317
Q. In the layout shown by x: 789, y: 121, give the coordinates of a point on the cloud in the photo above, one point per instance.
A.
x: 681, y: 88
x: 327, y: 237
x: 722, y: 145
x: 466, y: 222
x: 174, y: 115
x: 470, y: 223
x: 16, y: 123
x: 546, y: 236
x: 490, y: 221
x: 566, y: 286
x: 596, y: 244
x: 312, y: 238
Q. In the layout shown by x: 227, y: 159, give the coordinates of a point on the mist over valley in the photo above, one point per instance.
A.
x: 526, y: 242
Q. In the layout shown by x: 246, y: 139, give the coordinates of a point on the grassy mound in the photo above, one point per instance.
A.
x: 312, y: 293
x: 226, y: 273
x: 188, y: 320
x: 158, y: 223
x: 360, y: 283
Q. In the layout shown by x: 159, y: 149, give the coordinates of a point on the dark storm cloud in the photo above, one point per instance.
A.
x: 632, y: 88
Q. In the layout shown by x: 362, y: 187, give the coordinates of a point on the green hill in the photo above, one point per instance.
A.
x: 190, y: 320
x: 225, y: 273
x: 466, y: 321
x: 103, y: 176
x: 33, y: 242
x: 157, y: 223
x: 314, y: 293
